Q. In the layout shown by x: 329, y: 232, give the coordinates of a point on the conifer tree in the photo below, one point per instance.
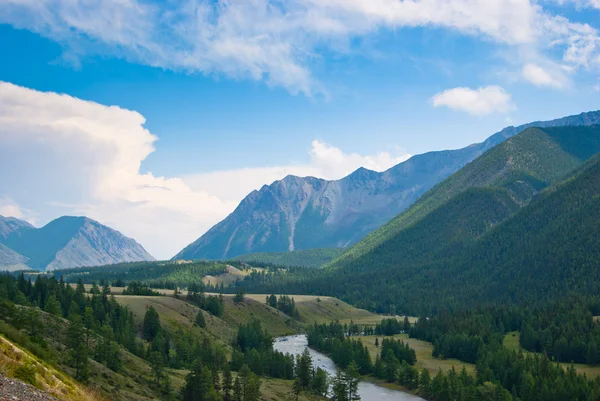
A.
x: 200, y: 322
x: 78, y: 348
x: 227, y: 383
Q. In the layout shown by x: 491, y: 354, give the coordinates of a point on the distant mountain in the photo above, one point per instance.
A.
x: 67, y: 242
x: 12, y: 226
x: 518, y: 224
x: 303, y: 213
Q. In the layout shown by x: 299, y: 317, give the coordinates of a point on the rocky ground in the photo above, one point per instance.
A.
x: 14, y: 390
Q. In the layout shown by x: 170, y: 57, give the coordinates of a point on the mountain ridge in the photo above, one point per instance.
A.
x: 298, y: 213
x: 67, y: 242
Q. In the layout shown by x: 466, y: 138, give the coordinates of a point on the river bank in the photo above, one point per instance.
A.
x: 368, y: 390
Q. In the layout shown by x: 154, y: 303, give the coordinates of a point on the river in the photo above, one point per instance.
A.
x: 295, y: 345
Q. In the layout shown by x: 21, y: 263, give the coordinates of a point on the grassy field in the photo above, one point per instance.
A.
x: 231, y: 275
x: 281, y: 390
x: 511, y: 341
x: 423, y: 350
x: 327, y: 309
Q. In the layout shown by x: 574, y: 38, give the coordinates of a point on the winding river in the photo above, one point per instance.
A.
x: 295, y: 345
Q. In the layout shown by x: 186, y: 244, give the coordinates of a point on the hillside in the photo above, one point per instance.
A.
x: 69, y: 242
x: 303, y: 213
x: 521, y: 166
x: 547, y: 250
x: 312, y: 258
x: 499, y: 240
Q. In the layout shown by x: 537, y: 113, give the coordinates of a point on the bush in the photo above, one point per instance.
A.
x: 26, y: 373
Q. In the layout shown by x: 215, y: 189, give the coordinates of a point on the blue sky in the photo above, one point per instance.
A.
x: 216, y: 99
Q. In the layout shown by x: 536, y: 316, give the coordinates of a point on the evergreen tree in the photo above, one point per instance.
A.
x: 151, y: 326
x: 52, y: 306
x: 157, y: 364
x: 296, y: 388
x: 339, y: 388
x: 200, y: 322
x: 304, y: 368
x: 237, y: 390
x: 227, y: 383
x: 320, y: 383
x: 78, y: 349
x: 352, y: 379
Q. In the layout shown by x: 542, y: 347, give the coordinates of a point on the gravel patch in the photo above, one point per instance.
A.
x: 15, y: 390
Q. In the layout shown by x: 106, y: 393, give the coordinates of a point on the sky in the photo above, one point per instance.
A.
x: 157, y: 117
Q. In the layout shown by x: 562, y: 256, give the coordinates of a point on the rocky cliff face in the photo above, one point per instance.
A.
x: 69, y: 242
x: 302, y: 213
x: 12, y: 226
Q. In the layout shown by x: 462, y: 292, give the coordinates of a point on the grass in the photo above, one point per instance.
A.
x: 511, y: 341
x: 327, y: 309
x: 423, y: 349
x: 19, y: 363
x: 281, y: 390
x: 231, y: 275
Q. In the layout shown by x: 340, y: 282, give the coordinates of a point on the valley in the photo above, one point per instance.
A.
x: 483, y: 288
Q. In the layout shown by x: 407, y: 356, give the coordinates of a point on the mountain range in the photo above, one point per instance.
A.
x: 520, y: 224
x: 64, y: 243
x: 298, y: 213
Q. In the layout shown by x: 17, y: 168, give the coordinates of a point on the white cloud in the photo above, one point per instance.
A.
x: 63, y: 155
x: 580, y: 3
x: 9, y: 208
x: 276, y: 41
x: 326, y: 162
x: 481, y: 101
x: 538, y: 76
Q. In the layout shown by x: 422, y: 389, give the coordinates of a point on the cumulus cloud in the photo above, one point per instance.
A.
x: 539, y: 76
x: 9, y: 208
x: 481, y: 101
x: 276, y: 41
x: 63, y: 155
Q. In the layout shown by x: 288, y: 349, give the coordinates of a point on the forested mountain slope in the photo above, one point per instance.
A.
x: 545, y: 251
x: 303, y: 213
x: 486, y: 244
x: 312, y: 258
x: 522, y: 166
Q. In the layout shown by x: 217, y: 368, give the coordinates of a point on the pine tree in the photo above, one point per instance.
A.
x: 352, y: 379
x: 151, y: 325
x: 157, y: 364
x: 253, y: 388
x: 200, y: 322
x: 237, y: 390
x: 226, y: 383
x: 304, y: 368
x: 296, y: 388
x: 320, y: 383
x: 339, y: 388
x: 78, y: 348
x: 52, y: 306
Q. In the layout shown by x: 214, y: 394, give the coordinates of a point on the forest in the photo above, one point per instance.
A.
x: 543, y: 252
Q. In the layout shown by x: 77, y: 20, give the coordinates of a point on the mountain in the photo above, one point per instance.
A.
x: 13, y: 226
x: 303, y: 213
x: 519, y: 224
x: 69, y: 242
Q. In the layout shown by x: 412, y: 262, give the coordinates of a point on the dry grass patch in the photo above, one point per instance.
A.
x: 423, y: 349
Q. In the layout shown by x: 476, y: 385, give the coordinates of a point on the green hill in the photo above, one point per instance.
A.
x: 523, y: 165
x: 547, y: 250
